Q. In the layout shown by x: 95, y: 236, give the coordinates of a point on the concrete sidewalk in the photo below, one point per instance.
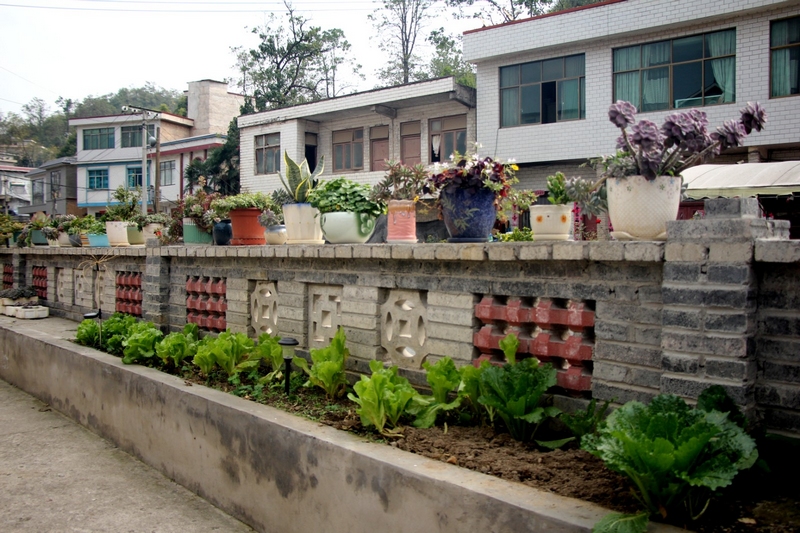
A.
x: 55, y: 475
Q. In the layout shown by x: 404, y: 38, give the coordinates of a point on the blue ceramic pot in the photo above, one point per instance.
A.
x: 223, y: 232
x: 98, y: 240
x: 469, y: 216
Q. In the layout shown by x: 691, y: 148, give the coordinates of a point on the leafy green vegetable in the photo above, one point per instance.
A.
x: 515, y: 391
x: 714, y: 398
x: 204, y: 357
x: 675, y: 455
x: 509, y: 345
x: 88, y: 333
x: 267, y: 349
x: 115, y: 330
x: 469, y: 389
x: 227, y: 351
x: 582, y: 423
x: 176, y: 347
x: 140, y: 344
x: 327, y: 366
x: 443, y: 378
x: 382, y: 398
x: 621, y: 523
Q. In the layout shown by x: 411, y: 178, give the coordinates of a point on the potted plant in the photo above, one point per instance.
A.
x: 198, y: 217
x: 150, y: 223
x: 62, y: 224
x: 118, y: 216
x: 272, y: 220
x: 34, y: 236
x: 470, y: 189
x: 9, y: 227
x: 347, y: 210
x: 642, y: 180
x: 401, y: 188
x: 243, y: 210
x: 96, y: 233
x: 553, y: 222
x: 301, y: 218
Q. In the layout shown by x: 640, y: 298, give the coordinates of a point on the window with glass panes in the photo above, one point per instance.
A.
x: 446, y: 136
x: 348, y: 149
x: 542, y: 92
x: 784, y: 40
x: 132, y: 135
x: 55, y: 180
x: 98, y: 138
x: 691, y: 71
x: 97, y: 178
x: 134, y: 177
x: 268, y: 153
x: 37, y: 192
x: 167, y: 173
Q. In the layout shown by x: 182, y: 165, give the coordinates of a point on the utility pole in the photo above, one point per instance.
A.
x: 157, y: 169
x: 144, y: 162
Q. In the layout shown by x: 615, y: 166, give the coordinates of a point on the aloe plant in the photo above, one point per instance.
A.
x: 299, y: 180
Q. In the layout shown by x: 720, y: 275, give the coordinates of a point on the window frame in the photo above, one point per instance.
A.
x: 581, y: 79
x: 132, y: 172
x: 91, y: 181
x: 350, y: 146
x: 269, y: 151
x: 454, y: 131
x: 134, y: 133
x: 96, y: 134
x: 670, y: 68
x: 37, y: 184
x: 781, y: 47
x: 167, y: 168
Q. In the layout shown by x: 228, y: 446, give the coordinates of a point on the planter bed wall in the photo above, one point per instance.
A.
x: 714, y: 304
x: 272, y: 470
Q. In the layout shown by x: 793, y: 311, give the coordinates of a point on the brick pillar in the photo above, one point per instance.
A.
x: 708, y: 289
x: 20, y: 264
x: 155, y: 286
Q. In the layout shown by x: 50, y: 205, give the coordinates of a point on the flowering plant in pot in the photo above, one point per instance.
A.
x: 348, y: 210
x: 150, y: 223
x: 642, y: 180
x: 118, y: 216
x: 272, y: 221
x: 470, y: 190
x: 301, y: 218
x: 198, y: 217
x: 243, y: 210
x: 401, y: 188
x: 554, y: 221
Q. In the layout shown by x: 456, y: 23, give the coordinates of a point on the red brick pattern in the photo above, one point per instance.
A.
x: 129, y: 293
x: 206, y: 303
x: 8, y: 276
x: 39, y: 281
x: 560, y: 332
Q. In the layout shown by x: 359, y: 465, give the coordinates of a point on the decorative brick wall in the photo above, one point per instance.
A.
x: 40, y: 281
x: 717, y: 303
x: 8, y: 275
x: 129, y: 294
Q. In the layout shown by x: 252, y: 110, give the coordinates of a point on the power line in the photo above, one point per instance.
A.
x: 218, y: 11
x: 26, y: 79
x: 12, y: 101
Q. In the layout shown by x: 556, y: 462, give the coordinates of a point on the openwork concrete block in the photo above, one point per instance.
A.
x: 64, y: 285
x: 264, y: 308
x: 404, y: 331
x: 324, y: 314
x: 83, y: 287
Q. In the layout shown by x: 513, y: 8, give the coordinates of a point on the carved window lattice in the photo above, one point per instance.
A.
x: 206, y: 303
x: 40, y: 281
x: 8, y: 276
x: 264, y: 308
x: 404, y: 328
x: 325, y: 314
x: 128, y: 293
x: 556, y: 331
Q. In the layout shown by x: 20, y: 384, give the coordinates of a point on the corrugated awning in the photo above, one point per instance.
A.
x: 747, y: 179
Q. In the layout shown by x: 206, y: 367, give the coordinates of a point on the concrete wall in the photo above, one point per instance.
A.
x: 273, y: 470
x: 714, y: 304
x: 211, y: 107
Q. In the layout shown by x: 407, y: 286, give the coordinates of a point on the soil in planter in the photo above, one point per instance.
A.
x: 758, y: 502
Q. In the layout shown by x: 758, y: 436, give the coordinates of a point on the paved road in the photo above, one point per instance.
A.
x: 56, y: 476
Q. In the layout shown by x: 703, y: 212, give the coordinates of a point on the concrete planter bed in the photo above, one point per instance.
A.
x: 268, y: 468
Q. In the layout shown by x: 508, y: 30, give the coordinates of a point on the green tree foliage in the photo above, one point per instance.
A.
x: 448, y: 59
x: 399, y: 23
x: 499, y: 11
x: 293, y: 63
x: 561, y: 5
x: 222, y: 166
x: 150, y: 96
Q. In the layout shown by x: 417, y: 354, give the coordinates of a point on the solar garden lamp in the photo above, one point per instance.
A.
x: 99, y: 316
x: 288, y: 345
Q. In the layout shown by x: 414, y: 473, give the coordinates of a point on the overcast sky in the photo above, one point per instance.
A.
x: 77, y: 48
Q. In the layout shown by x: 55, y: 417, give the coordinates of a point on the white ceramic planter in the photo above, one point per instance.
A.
x: 117, y: 232
x: 347, y: 228
x: 26, y: 313
x: 639, y: 209
x: 149, y: 231
x: 276, y: 234
x: 63, y: 239
x: 551, y: 222
x: 302, y: 224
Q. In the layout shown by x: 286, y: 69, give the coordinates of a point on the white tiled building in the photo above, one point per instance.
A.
x: 110, y: 147
x: 416, y: 123
x: 666, y: 53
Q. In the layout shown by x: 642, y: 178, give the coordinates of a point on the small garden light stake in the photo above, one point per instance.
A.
x: 288, y: 344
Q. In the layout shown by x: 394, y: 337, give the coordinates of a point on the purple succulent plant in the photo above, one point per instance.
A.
x: 730, y: 134
x: 753, y: 117
x: 646, y: 135
x: 622, y: 114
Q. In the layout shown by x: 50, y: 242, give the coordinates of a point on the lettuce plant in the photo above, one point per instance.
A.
x: 675, y: 455
x: 515, y: 392
x: 177, y: 346
x: 88, y: 333
x: 327, y: 366
x: 268, y: 350
x: 140, y: 344
x: 115, y: 330
x: 443, y: 378
x: 469, y: 389
x: 383, y: 398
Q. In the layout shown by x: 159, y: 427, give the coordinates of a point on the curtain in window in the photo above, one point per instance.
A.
x: 435, y: 143
x: 626, y: 87
x: 720, y: 44
x: 569, y: 100
x: 509, y: 107
x: 626, y: 59
x: 784, y: 70
x: 655, y: 89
